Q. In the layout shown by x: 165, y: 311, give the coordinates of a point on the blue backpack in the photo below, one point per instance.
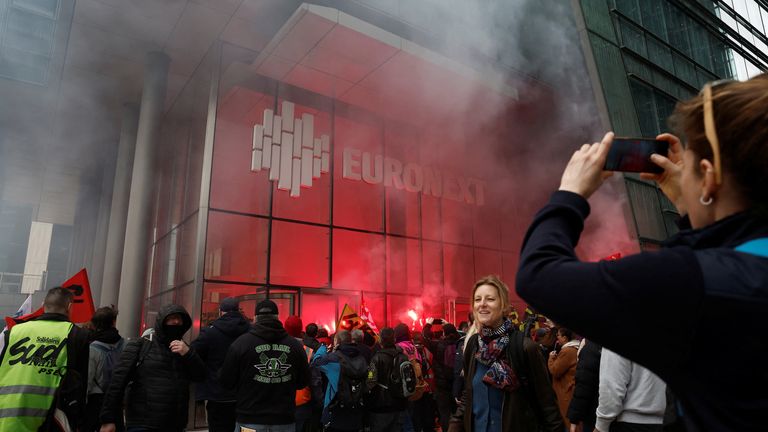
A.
x: 111, y: 358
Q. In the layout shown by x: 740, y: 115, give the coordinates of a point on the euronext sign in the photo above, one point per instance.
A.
x: 378, y: 169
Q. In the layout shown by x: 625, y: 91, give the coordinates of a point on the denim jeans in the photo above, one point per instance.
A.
x: 266, y: 428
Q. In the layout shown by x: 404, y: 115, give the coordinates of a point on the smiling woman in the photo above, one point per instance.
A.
x: 506, y: 383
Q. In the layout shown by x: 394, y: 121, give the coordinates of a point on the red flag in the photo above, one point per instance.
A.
x: 82, y: 308
x: 11, y: 321
x: 365, y: 315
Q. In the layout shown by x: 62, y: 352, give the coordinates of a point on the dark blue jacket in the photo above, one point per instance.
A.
x: 212, y: 346
x: 676, y: 311
x: 336, y: 418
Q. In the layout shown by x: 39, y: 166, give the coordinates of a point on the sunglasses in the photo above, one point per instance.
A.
x: 709, y: 126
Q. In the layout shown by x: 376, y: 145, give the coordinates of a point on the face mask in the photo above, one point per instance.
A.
x: 174, y: 332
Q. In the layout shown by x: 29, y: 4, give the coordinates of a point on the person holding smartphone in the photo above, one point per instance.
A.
x: 663, y: 309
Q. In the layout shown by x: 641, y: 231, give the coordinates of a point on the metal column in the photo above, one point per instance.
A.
x: 136, y: 248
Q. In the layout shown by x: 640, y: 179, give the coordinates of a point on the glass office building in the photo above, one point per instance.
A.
x: 342, y: 163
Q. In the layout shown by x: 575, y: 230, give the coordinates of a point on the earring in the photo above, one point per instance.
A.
x: 706, y: 202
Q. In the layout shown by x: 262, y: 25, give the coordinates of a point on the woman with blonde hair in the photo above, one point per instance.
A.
x: 506, y: 387
x: 663, y: 309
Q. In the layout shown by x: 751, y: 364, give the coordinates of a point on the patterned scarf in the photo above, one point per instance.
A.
x: 493, y: 344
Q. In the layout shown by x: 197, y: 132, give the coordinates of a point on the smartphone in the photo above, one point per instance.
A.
x: 634, y: 155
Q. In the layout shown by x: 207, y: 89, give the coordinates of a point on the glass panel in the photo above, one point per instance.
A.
x: 653, y: 17
x: 47, y: 8
x: 403, y: 265
x: 459, y: 270
x: 457, y: 222
x: 233, y: 185
x: 487, y: 262
x: 431, y: 221
x: 299, y: 255
x: 358, y: 261
x: 358, y: 200
x: 677, y: 28
x: 629, y: 8
x: 633, y: 38
x: 313, y: 201
x: 660, y: 54
x: 402, y: 212
x: 319, y: 309
x: 214, y: 293
x: 187, y: 252
x: 236, y: 249
x: 29, y: 32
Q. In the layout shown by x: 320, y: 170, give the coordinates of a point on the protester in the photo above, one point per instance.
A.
x: 157, y: 373
x: 386, y: 403
x: 499, y: 394
x: 304, y: 406
x: 310, y: 336
x: 444, y: 363
x: 104, y: 355
x: 212, y: 346
x: 57, y: 370
x: 631, y: 397
x: 266, y: 366
x: 716, y: 266
x: 339, y: 380
x: 358, y: 338
x: 581, y: 410
x: 404, y: 342
x: 562, y: 367
x: 424, y: 409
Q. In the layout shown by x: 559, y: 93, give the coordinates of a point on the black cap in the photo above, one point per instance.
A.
x: 229, y: 304
x: 266, y: 307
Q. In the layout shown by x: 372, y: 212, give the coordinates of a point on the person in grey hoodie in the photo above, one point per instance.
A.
x: 632, y: 398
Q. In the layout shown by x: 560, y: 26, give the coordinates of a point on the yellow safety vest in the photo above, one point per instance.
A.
x: 35, y: 360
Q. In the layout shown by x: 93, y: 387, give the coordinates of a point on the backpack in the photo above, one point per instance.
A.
x: 402, y: 376
x: 110, y: 359
x: 421, y: 385
x: 352, y: 382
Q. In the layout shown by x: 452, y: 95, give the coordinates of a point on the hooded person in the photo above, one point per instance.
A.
x: 265, y: 367
x: 338, y: 379
x: 159, y: 371
x: 212, y: 346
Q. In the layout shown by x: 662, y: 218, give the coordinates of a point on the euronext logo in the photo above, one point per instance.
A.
x: 287, y: 147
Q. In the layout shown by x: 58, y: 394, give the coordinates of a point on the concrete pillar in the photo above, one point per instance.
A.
x: 133, y: 277
x: 118, y: 213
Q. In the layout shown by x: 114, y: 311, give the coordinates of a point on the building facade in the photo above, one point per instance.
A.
x: 650, y: 54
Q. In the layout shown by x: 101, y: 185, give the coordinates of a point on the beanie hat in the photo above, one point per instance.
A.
x: 402, y: 333
x: 229, y: 304
x: 293, y: 326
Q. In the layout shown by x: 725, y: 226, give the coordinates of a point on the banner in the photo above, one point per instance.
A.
x: 365, y: 315
x: 82, y: 307
x: 350, y: 320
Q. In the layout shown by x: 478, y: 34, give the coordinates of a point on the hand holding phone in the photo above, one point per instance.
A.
x: 634, y: 155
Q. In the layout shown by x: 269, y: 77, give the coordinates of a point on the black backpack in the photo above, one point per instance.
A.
x: 402, y: 377
x: 352, y: 384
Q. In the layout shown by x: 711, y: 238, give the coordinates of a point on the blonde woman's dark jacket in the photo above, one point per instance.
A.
x: 532, y: 407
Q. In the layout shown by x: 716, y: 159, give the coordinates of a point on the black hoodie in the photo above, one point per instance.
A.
x: 266, y: 366
x: 158, y: 386
x: 212, y: 346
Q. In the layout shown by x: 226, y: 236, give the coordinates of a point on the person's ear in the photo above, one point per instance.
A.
x: 709, y: 186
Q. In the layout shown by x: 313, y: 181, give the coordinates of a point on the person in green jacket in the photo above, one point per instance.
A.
x: 42, y: 370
